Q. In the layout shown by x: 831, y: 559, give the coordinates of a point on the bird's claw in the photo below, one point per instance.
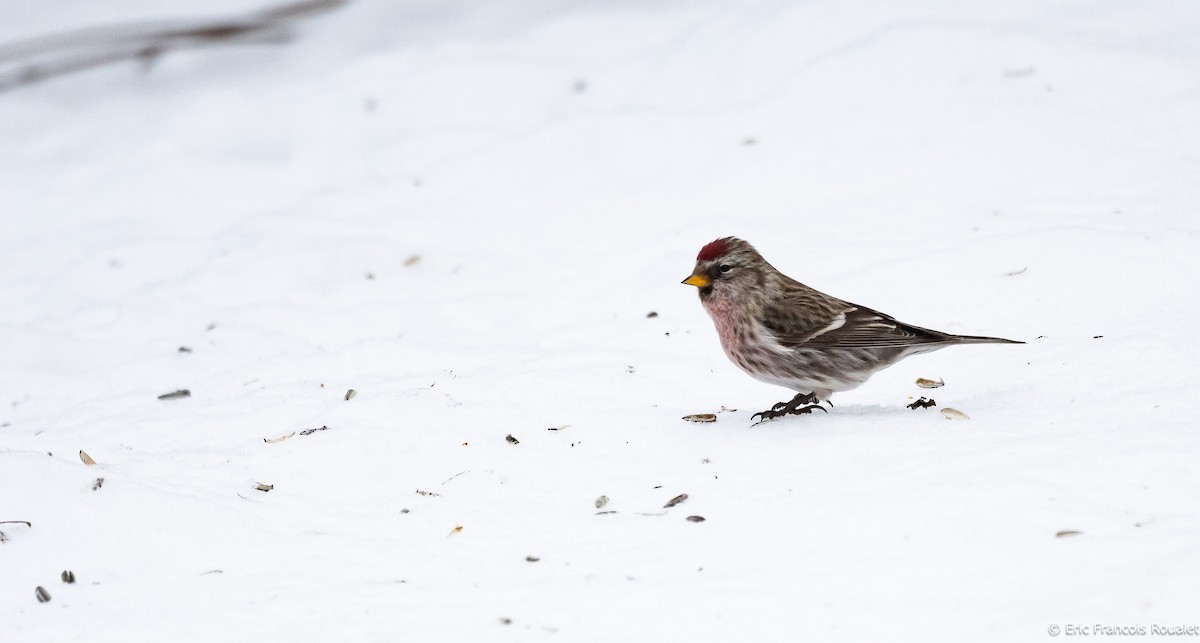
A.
x: 778, y: 411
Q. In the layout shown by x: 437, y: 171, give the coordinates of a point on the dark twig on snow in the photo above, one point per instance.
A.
x: 29, y: 61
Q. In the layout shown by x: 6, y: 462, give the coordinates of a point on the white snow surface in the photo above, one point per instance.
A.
x: 1022, y: 169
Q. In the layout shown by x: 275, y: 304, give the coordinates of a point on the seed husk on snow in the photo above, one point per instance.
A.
x: 511, y: 439
x: 428, y: 493
x: 175, y: 395
x: 42, y: 595
x: 87, y: 459
x: 928, y: 383
x: 954, y: 414
x: 264, y: 487
x: 676, y: 500
x: 350, y: 394
x: 68, y: 577
x: 278, y: 439
x: 97, y: 484
x: 312, y: 431
x: 701, y: 417
x: 601, y: 501
x: 1068, y: 533
x: 532, y: 559
x: 922, y: 403
x: 695, y: 518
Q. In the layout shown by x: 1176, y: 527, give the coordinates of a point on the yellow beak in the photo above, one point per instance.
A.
x: 699, y: 281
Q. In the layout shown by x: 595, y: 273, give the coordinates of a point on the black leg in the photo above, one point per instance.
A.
x: 802, y: 404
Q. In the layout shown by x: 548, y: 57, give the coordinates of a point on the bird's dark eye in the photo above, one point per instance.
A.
x: 724, y: 268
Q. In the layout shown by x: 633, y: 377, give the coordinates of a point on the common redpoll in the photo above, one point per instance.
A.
x: 782, y: 332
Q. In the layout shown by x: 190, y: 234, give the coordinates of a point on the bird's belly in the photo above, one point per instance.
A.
x: 755, y: 350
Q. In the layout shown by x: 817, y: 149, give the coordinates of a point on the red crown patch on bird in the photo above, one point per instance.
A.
x: 713, y: 250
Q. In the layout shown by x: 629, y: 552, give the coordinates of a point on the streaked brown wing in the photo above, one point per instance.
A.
x: 851, y: 326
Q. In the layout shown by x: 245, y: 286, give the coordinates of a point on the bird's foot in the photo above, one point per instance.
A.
x: 802, y: 404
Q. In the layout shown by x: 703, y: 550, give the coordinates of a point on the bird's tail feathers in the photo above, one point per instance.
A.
x: 974, y: 339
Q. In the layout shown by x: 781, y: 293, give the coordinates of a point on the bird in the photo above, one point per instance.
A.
x: 783, y: 332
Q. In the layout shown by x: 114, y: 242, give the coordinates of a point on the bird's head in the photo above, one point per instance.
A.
x: 727, y: 267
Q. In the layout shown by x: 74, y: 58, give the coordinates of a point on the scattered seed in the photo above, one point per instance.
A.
x: 695, y: 518
x: 603, y: 513
x: 1068, y: 533
x: 601, y: 501
x: 559, y: 428
x: 184, y: 349
x: 412, y: 260
x: 213, y: 571
x: 370, y: 276
x: 928, y: 383
x: 350, y: 394
x: 1014, y: 273
x: 405, y: 510
x: 175, y: 395
x: 954, y: 414
x: 3, y: 537
x: 705, y: 461
x: 16, y: 522
x: 278, y: 439
x: 264, y: 487
x: 701, y: 417
x: 42, y: 595
x: 922, y: 403
x: 428, y: 493
x: 749, y: 141
x: 457, y: 530
x: 532, y: 559
x: 651, y: 315
x: 1097, y: 336
x: 87, y: 459
x: 97, y: 484
x: 68, y: 577
x: 676, y: 500
x: 312, y: 431
x: 211, y: 326
x: 506, y: 621
x: 724, y: 409
x: 511, y: 439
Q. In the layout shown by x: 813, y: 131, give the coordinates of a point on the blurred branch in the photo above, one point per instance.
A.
x: 28, y: 61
